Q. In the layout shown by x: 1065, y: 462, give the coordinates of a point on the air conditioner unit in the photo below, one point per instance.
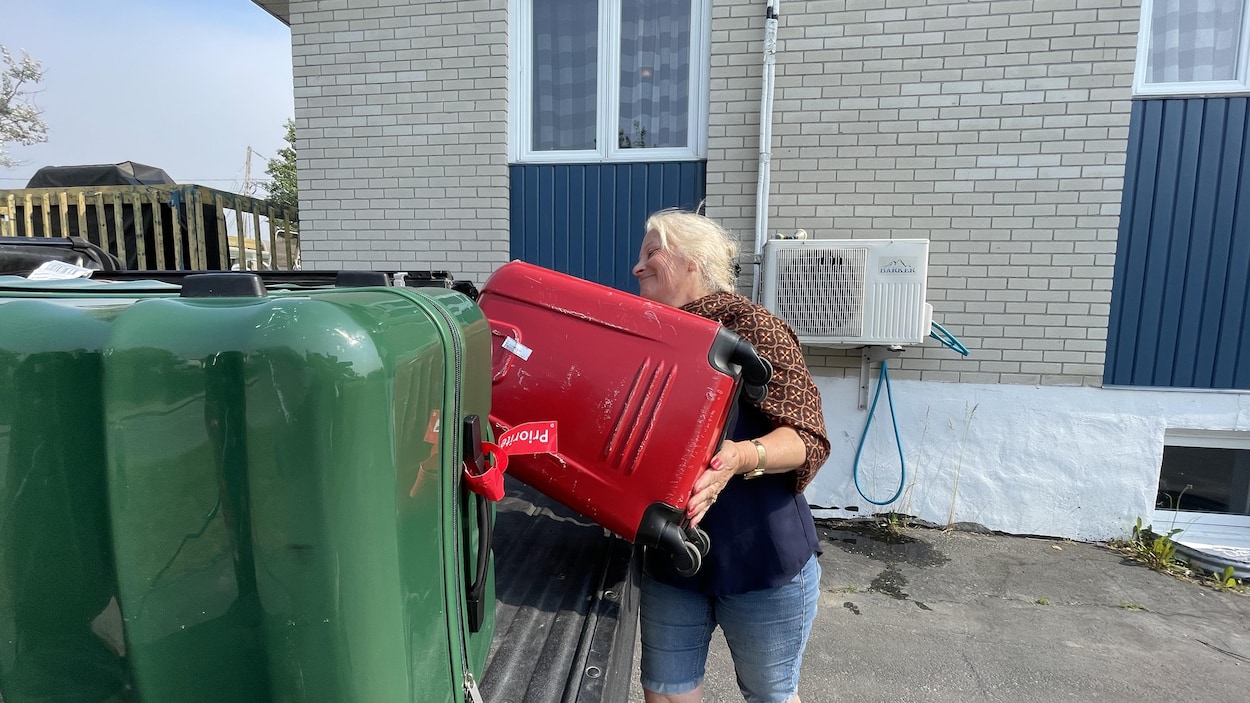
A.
x: 849, y: 292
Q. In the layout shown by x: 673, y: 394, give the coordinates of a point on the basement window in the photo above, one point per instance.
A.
x: 1205, y: 474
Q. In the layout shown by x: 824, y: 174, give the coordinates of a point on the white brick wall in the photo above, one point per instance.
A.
x: 995, y: 129
x: 401, y: 113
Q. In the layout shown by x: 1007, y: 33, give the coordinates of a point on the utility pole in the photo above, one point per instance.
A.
x: 247, y: 173
x: 247, y: 190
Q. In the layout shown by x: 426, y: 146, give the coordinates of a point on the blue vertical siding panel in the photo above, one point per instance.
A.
x: 545, y: 246
x: 670, y: 188
x: 692, y: 185
x: 1238, y: 349
x: 1159, y: 238
x: 1194, y: 288
x: 560, y: 220
x: 629, y: 224
x: 1228, y: 354
x: 577, y: 219
x: 656, y: 187
x: 516, y: 216
x: 590, y: 222
x: 605, y: 233
x: 1180, y: 312
x: 529, y: 244
x: 1226, y: 220
x: 532, y: 222
x: 1177, y: 253
x: 587, y: 219
x: 1238, y: 366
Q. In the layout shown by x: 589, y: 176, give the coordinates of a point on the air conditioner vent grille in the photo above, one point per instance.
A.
x: 832, y: 305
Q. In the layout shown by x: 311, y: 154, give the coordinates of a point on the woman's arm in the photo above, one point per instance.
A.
x: 783, y: 451
x: 798, y: 444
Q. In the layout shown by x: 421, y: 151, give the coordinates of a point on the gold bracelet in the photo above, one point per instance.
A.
x: 759, y: 463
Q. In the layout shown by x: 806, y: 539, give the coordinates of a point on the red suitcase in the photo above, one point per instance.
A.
x: 616, y: 403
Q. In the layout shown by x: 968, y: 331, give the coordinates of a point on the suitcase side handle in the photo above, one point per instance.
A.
x: 735, y: 356
x: 475, y: 599
x: 473, y: 454
x: 502, y: 360
x: 756, y: 371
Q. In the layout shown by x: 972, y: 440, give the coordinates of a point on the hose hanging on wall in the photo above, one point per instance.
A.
x: 949, y: 341
x: 884, y: 380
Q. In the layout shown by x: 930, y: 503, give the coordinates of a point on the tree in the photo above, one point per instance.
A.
x: 284, y: 188
x: 20, y: 120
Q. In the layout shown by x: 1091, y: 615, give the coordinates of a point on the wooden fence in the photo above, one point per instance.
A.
x: 160, y: 227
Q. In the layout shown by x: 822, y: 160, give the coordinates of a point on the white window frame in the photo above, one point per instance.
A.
x: 1239, y: 86
x: 1197, y: 524
x: 520, y: 90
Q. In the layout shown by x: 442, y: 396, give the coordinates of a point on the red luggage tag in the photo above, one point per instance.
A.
x: 487, y: 480
x: 531, y: 438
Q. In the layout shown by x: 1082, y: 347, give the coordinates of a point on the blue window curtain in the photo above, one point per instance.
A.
x: 655, y: 74
x: 1194, y: 40
x: 565, y: 71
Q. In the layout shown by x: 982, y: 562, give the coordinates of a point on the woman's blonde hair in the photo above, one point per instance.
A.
x: 701, y: 240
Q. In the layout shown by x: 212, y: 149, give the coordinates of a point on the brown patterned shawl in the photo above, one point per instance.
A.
x: 793, y: 399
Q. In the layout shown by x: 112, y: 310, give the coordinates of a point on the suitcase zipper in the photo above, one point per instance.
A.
x: 470, y: 684
x: 470, y: 689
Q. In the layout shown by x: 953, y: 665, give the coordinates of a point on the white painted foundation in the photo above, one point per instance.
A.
x: 1079, y: 463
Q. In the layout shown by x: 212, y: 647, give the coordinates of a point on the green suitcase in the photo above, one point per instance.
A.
x: 218, y: 492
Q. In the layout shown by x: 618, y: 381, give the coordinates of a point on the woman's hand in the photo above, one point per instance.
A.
x: 732, y: 459
x: 784, y: 451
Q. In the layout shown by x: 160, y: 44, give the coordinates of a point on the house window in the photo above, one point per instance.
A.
x: 1204, y: 481
x: 1193, y: 47
x: 616, y: 80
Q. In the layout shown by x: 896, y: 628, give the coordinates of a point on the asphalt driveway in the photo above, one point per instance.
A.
x: 960, y: 616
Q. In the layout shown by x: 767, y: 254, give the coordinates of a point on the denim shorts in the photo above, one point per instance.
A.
x: 766, y: 631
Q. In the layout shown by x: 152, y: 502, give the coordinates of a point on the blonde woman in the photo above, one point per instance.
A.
x: 760, y: 581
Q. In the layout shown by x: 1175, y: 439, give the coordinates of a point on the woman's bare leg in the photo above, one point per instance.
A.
x: 695, y: 696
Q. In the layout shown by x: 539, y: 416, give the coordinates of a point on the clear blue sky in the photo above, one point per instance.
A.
x: 184, y: 85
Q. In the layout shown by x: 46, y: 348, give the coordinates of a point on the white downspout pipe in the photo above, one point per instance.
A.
x: 766, y: 143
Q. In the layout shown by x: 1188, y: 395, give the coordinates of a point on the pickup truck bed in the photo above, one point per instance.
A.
x: 567, y: 606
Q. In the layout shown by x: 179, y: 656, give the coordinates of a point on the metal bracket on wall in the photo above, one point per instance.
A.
x: 868, y: 357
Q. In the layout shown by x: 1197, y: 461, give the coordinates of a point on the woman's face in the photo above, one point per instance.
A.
x: 664, y: 276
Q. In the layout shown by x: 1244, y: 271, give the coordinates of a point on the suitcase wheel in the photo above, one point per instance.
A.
x: 661, y: 527
x: 699, y: 539
x: 687, y: 564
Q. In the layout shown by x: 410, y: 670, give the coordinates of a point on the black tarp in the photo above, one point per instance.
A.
x: 127, y: 173
x: 21, y: 255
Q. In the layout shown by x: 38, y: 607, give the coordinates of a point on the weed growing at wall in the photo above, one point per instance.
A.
x: 1158, y: 551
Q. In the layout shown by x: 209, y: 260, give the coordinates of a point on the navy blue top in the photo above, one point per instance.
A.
x: 761, y: 530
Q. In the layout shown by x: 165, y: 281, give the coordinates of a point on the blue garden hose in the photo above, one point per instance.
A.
x: 948, y: 340
x: 902, y: 474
